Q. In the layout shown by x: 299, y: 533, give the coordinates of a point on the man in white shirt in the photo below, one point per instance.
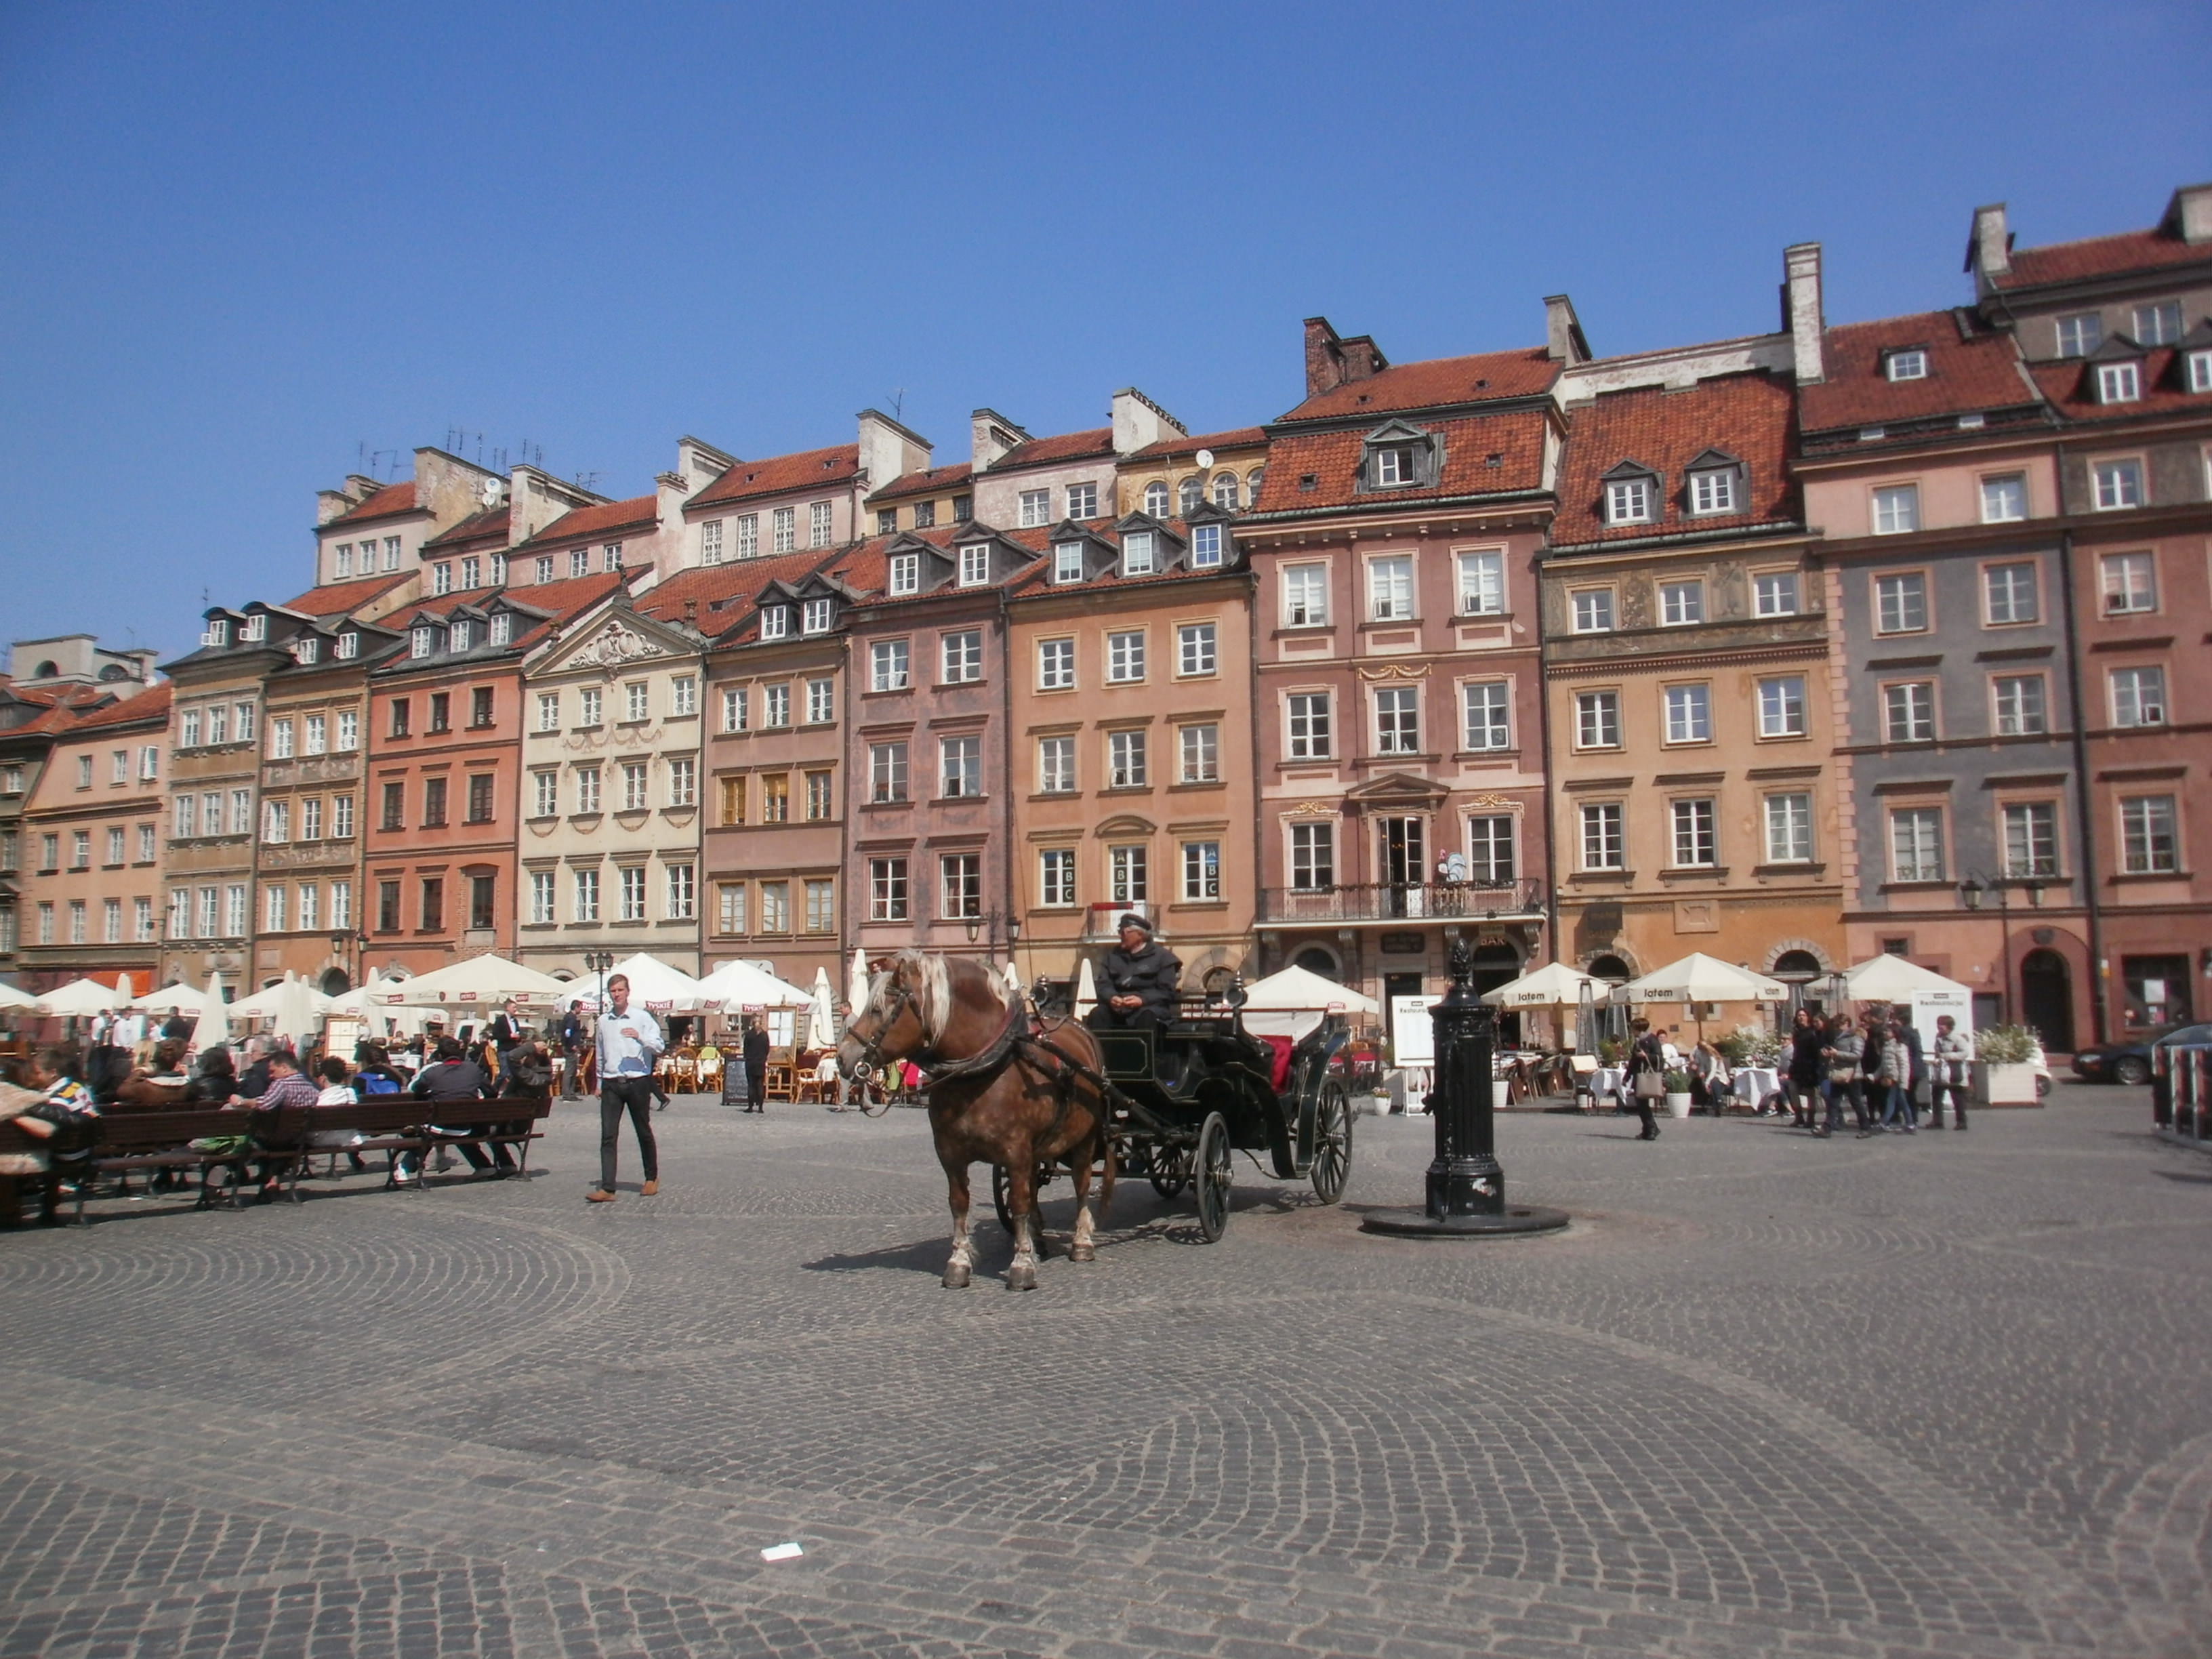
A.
x: 630, y: 1042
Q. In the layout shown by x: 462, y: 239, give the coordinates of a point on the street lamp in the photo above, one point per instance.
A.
x: 983, y: 922
x: 1971, y: 891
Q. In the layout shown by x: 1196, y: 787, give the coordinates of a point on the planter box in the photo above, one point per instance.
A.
x: 1678, y: 1105
x: 2004, y: 1085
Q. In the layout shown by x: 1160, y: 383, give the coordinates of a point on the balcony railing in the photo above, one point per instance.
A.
x: 1453, y: 901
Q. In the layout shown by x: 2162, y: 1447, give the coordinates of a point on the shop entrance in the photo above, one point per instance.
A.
x: 2046, y: 1000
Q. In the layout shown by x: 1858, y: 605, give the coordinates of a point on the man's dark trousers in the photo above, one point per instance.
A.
x: 756, y: 1085
x: 634, y: 1096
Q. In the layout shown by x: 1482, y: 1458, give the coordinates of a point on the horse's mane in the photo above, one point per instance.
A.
x: 933, y: 975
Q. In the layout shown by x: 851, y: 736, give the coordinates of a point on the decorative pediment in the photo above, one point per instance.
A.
x: 1713, y: 459
x: 614, y: 645
x: 1125, y: 824
x: 1627, y: 469
x: 1394, y: 670
x: 1397, y: 789
x: 1398, y: 432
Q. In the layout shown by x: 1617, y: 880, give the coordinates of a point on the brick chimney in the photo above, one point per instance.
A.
x: 1332, y: 360
x: 2189, y: 215
x: 1988, y: 248
x: 1563, y: 331
x: 1802, y: 319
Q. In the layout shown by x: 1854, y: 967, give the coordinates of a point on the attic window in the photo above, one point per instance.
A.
x: 775, y: 621
x: 976, y: 565
x: 1628, y: 501
x: 1068, y: 562
x: 1308, y: 481
x: 1395, y: 466
x: 1714, y: 489
x: 2119, y: 382
x: 460, y: 637
x: 1911, y: 364
x: 349, y: 647
x: 502, y: 627
x: 1137, y: 557
x: 1205, y: 547
x: 253, y: 628
x: 306, y: 649
x: 906, y: 573
x: 419, y: 641
x: 2200, y: 371
x: 815, y: 619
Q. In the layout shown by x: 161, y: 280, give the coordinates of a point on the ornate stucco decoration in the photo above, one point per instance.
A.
x: 1395, y: 671
x: 615, y: 644
x: 1313, y: 808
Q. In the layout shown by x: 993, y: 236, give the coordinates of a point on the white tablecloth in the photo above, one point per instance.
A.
x: 1754, y: 1083
x: 1609, y: 1082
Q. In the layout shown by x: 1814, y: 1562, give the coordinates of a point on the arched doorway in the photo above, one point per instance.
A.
x: 335, y: 982
x: 1796, y: 966
x: 1610, y: 968
x: 1318, y: 959
x: 2046, y: 1000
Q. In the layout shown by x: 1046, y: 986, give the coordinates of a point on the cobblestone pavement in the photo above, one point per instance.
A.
x: 1946, y: 1395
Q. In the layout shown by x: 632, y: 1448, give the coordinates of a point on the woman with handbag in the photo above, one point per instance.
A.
x: 1647, y: 1075
x: 1845, y: 1050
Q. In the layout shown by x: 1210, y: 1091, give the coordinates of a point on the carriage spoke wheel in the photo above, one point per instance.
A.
x: 1211, y: 1174
x: 1332, y: 1154
x: 999, y: 1187
x: 1170, y: 1170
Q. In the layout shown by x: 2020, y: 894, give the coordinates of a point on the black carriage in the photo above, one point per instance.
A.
x: 1187, y: 1096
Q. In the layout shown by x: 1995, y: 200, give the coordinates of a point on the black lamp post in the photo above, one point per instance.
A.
x: 1465, y: 1196
x: 1971, y: 891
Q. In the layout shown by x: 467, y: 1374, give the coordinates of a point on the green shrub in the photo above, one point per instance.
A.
x: 2005, y: 1045
x: 1678, y: 1082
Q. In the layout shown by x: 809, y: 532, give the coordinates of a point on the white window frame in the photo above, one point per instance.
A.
x: 960, y: 657
x: 976, y: 565
x: 1390, y: 588
x: 1787, y: 820
x: 1199, y: 752
x: 1034, y: 509
x: 1305, y: 596
x: 2119, y: 383
x: 1694, y: 824
x: 1140, y: 554
x: 890, y: 665
x: 1682, y: 603
x: 2141, y: 595
x: 1482, y: 582
x: 2001, y: 493
x: 1068, y: 562
x: 2116, y: 485
x: 1897, y: 596
x: 1397, y: 719
x: 1056, y: 878
x: 1308, y: 725
x: 2016, y: 710
x: 905, y: 573
x: 1196, y: 654
x: 1056, y: 660
x: 1782, y: 705
x: 1629, y: 500
x: 1128, y: 760
x: 1125, y: 656
x: 1910, y: 363
x: 1915, y: 700
x: 1689, y: 713
x: 1592, y: 610
x: 1602, y: 836
x: 1915, y: 844
x: 1894, y: 509
x: 2002, y: 594
x: 2139, y: 696
x: 1597, y: 719
x: 1486, y: 715
x: 1713, y: 492
x: 1057, y: 766
x: 1777, y: 593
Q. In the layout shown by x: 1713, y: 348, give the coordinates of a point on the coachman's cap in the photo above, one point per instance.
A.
x: 1131, y: 919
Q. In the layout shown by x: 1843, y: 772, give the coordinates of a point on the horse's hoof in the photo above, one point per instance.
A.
x: 957, y: 1276
x: 1020, y: 1276
x: 1083, y: 1253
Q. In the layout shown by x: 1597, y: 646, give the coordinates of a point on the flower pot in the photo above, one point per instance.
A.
x: 1678, y: 1105
x: 2004, y: 1084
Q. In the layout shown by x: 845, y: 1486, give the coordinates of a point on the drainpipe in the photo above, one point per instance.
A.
x: 2084, y: 795
x: 1544, y: 736
x: 1252, y: 753
x: 1012, y: 848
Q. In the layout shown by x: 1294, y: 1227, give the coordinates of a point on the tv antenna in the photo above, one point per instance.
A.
x: 898, y: 404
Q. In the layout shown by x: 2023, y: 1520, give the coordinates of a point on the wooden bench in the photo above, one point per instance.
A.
x: 398, y: 1124
x: 132, y: 1141
x: 19, y: 1147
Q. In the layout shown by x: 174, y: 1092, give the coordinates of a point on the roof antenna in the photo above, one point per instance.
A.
x: 898, y: 404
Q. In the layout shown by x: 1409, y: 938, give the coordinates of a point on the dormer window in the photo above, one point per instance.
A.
x: 418, y: 644
x: 254, y: 630
x: 1138, y: 556
x: 814, y: 618
x: 1631, y: 495
x: 2200, y: 371
x: 976, y: 565
x: 2119, y: 383
x: 305, y: 650
x: 503, y: 628
x: 460, y: 635
x: 349, y: 647
x: 218, y: 632
x: 775, y: 621
x: 1910, y: 364
x: 906, y: 573
x: 1205, y: 547
x: 1394, y: 465
x: 1068, y: 562
x: 1716, y: 483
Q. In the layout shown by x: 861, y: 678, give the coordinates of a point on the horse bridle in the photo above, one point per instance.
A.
x: 871, y: 1051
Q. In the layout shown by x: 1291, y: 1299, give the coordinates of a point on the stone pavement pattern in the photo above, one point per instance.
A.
x: 1944, y: 1395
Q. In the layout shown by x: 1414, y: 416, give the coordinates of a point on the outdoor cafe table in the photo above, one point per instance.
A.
x: 1754, y: 1083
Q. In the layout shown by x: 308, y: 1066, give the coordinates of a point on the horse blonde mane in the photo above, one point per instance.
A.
x: 933, y: 995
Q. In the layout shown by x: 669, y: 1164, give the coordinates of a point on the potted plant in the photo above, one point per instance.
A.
x: 2003, y: 1072
x: 1610, y: 1050
x: 1678, y: 1093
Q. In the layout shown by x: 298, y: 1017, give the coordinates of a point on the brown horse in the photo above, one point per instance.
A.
x: 1002, y: 1090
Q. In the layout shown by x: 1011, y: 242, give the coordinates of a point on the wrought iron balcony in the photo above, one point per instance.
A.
x: 1399, y: 901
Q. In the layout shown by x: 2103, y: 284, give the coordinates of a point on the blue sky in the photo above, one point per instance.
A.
x: 244, y: 245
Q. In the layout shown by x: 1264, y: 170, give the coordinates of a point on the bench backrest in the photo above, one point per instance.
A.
x: 123, y: 1133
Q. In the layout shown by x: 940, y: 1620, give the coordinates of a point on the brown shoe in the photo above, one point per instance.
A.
x: 648, y: 1189
x: 599, y: 1195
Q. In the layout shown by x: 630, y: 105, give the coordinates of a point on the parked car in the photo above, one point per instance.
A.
x: 2128, y: 1062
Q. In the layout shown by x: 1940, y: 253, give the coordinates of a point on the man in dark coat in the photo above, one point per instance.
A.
x: 1142, y: 980
x: 755, y: 1052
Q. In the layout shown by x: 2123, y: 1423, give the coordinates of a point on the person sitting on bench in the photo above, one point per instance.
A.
x: 451, y: 1078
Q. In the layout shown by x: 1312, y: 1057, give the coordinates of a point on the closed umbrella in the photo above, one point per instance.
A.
x: 857, y: 984
x: 822, y: 1020
x: 297, y: 1015
x: 213, y: 1029
x: 1087, y: 991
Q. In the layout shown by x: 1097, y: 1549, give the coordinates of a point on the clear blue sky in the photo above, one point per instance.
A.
x: 240, y: 244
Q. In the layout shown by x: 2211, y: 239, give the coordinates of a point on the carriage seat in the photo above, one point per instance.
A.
x: 1278, y: 1074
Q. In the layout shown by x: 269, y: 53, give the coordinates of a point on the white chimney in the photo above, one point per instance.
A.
x: 1802, y: 313
x: 1988, y: 248
x: 1137, y: 421
x: 888, y: 450
x: 1564, y: 342
x: 2190, y: 213
x: 992, y: 434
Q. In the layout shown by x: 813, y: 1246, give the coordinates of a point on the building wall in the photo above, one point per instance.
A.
x: 1136, y: 472
x: 103, y: 880
x: 998, y: 494
x: 322, y: 872
x: 213, y: 868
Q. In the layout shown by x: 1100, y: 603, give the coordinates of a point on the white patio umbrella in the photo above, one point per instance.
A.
x: 821, y: 1022
x: 1087, y: 991
x: 177, y: 998
x: 214, y: 1028
x: 1553, y: 986
x: 80, y: 998
x: 661, y: 988
x: 1893, y: 979
x: 1013, y: 977
x: 1700, y: 978
x: 737, y: 985
x: 299, y: 1012
x: 484, y: 982
x: 366, y: 1003
x: 12, y: 998
x: 268, y: 1002
x: 1294, y: 1001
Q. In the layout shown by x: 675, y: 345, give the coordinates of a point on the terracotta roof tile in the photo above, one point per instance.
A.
x: 382, y: 504
x: 1439, y: 383
x: 927, y: 482
x: 2071, y: 387
x: 1061, y: 447
x: 2101, y: 256
x: 1747, y: 415
x: 337, y: 599
x: 1967, y: 373
x: 492, y: 521
x: 584, y: 523
x: 1037, y: 581
x: 1331, y: 460
x: 782, y: 475
x: 152, y: 703
x: 1243, y: 437
x: 722, y: 590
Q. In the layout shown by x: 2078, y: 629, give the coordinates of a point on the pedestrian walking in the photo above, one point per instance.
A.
x: 1947, y: 1075
x: 629, y: 1044
x: 756, y: 1052
x: 575, y: 1040
x: 1807, y: 1064
x: 1845, y: 1052
x: 1647, y: 1075
x: 1895, y: 1076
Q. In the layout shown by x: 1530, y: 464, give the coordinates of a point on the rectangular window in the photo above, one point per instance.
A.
x: 776, y: 797
x: 1490, y: 848
x: 887, y: 892
x: 579, y: 561
x: 683, y: 694
x: 784, y: 523
x: 819, y: 805
x: 2020, y: 705
x: 316, y: 735
x: 342, y: 817
x: 395, y: 806
x: 777, y: 702
x: 544, y: 569
x: 342, y: 565
x: 1056, y: 765
x: 480, y: 798
x: 1897, y: 510
x: 1398, y: 720
x: 1593, y: 608
x: 818, y: 524
x: 1205, y: 547
x: 1083, y: 501
x: 2008, y: 594
x: 1915, y: 843
x: 887, y: 771
x: 1681, y: 603
x: 115, y: 842
x: 733, y: 802
x: 218, y: 726
x: 471, y: 572
x: 1036, y: 507
x: 682, y: 780
x: 960, y: 885
x: 1597, y: 719
x: 188, y: 729
x: 815, y: 616
x: 1201, y: 753
x: 1487, y: 724
x: 925, y: 515
x: 730, y: 907
x: 588, y: 789
x: 483, y: 901
x: 2150, y: 840
x: 433, y: 912
x: 2080, y: 335
x: 280, y: 739
x: 1068, y: 562
x: 2158, y: 323
x: 585, y: 897
x: 710, y: 542
x: 441, y: 578
x: 733, y: 708
x: 905, y: 573
x: 1056, y: 878
x: 1604, y: 846
x: 682, y: 892
x: 1126, y: 760
x: 1689, y: 714
x: 1313, y: 857
x: 311, y: 820
x: 886, y: 521
x: 1909, y: 711
x: 341, y: 904
x: 2200, y: 371
x: 541, y: 892
x: 961, y: 658
x: 1195, y: 648
x: 1305, y: 595
x: 2031, y: 839
x: 629, y: 889
x: 1129, y: 874
x: 748, y: 535
x: 1789, y: 829
x: 1308, y: 726
x: 2004, y: 499
x: 2119, y: 382
x: 887, y: 666
x: 1138, y: 557
x: 821, y: 907
x: 276, y: 822
x: 1714, y: 491
x: 2119, y: 484
x: 1390, y: 588
x: 2139, y: 696
x: 1907, y: 365
x: 1481, y: 584
x: 1056, y: 665
x: 434, y: 803
x: 1628, y: 501
x: 273, y: 898
x: 976, y: 565
x: 441, y: 711
x: 145, y: 846
x: 821, y: 702
x: 1202, y: 871
x: 1696, y: 842
x: 1782, y: 706
x: 1125, y: 656
x: 142, y: 919
x: 961, y: 766
x: 549, y: 711
x: 387, y: 906
x: 1901, y: 603
x: 2130, y: 581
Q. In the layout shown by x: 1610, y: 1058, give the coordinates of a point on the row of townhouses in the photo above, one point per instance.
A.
x: 1790, y: 648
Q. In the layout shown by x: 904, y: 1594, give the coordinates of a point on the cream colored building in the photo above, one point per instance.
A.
x: 610, y: 809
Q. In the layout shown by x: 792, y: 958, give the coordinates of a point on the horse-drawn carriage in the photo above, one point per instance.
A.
x: 1188, y: 1095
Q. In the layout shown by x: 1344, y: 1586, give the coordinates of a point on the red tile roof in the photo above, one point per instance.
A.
x: 2101, y: 256
x: 338, y: 598
x: 152, y: 703
x: 1243, y: 437
x: 381, y: 504
x: 1062, y: 447
x: 1967, y: 373
x: 584, y: 523
x: 1331, y: 460
x: 2072, y: 387
x: 1037, y: 581
x: 723, y: 590
x: 492, y: 521
x: 1747, y: 415
x: 59, y: 707
x: 927, y: 483
x: 1436, y: 384
x: 782, y: 475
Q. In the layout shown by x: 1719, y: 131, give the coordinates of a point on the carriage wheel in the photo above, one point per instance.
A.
x: 999, y: 1188
x: 1332, y: 1154
x: 1170, y: 1170
x: 1211, y: 1175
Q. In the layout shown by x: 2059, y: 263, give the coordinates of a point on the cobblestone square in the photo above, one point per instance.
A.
x: 1943, y: 1395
